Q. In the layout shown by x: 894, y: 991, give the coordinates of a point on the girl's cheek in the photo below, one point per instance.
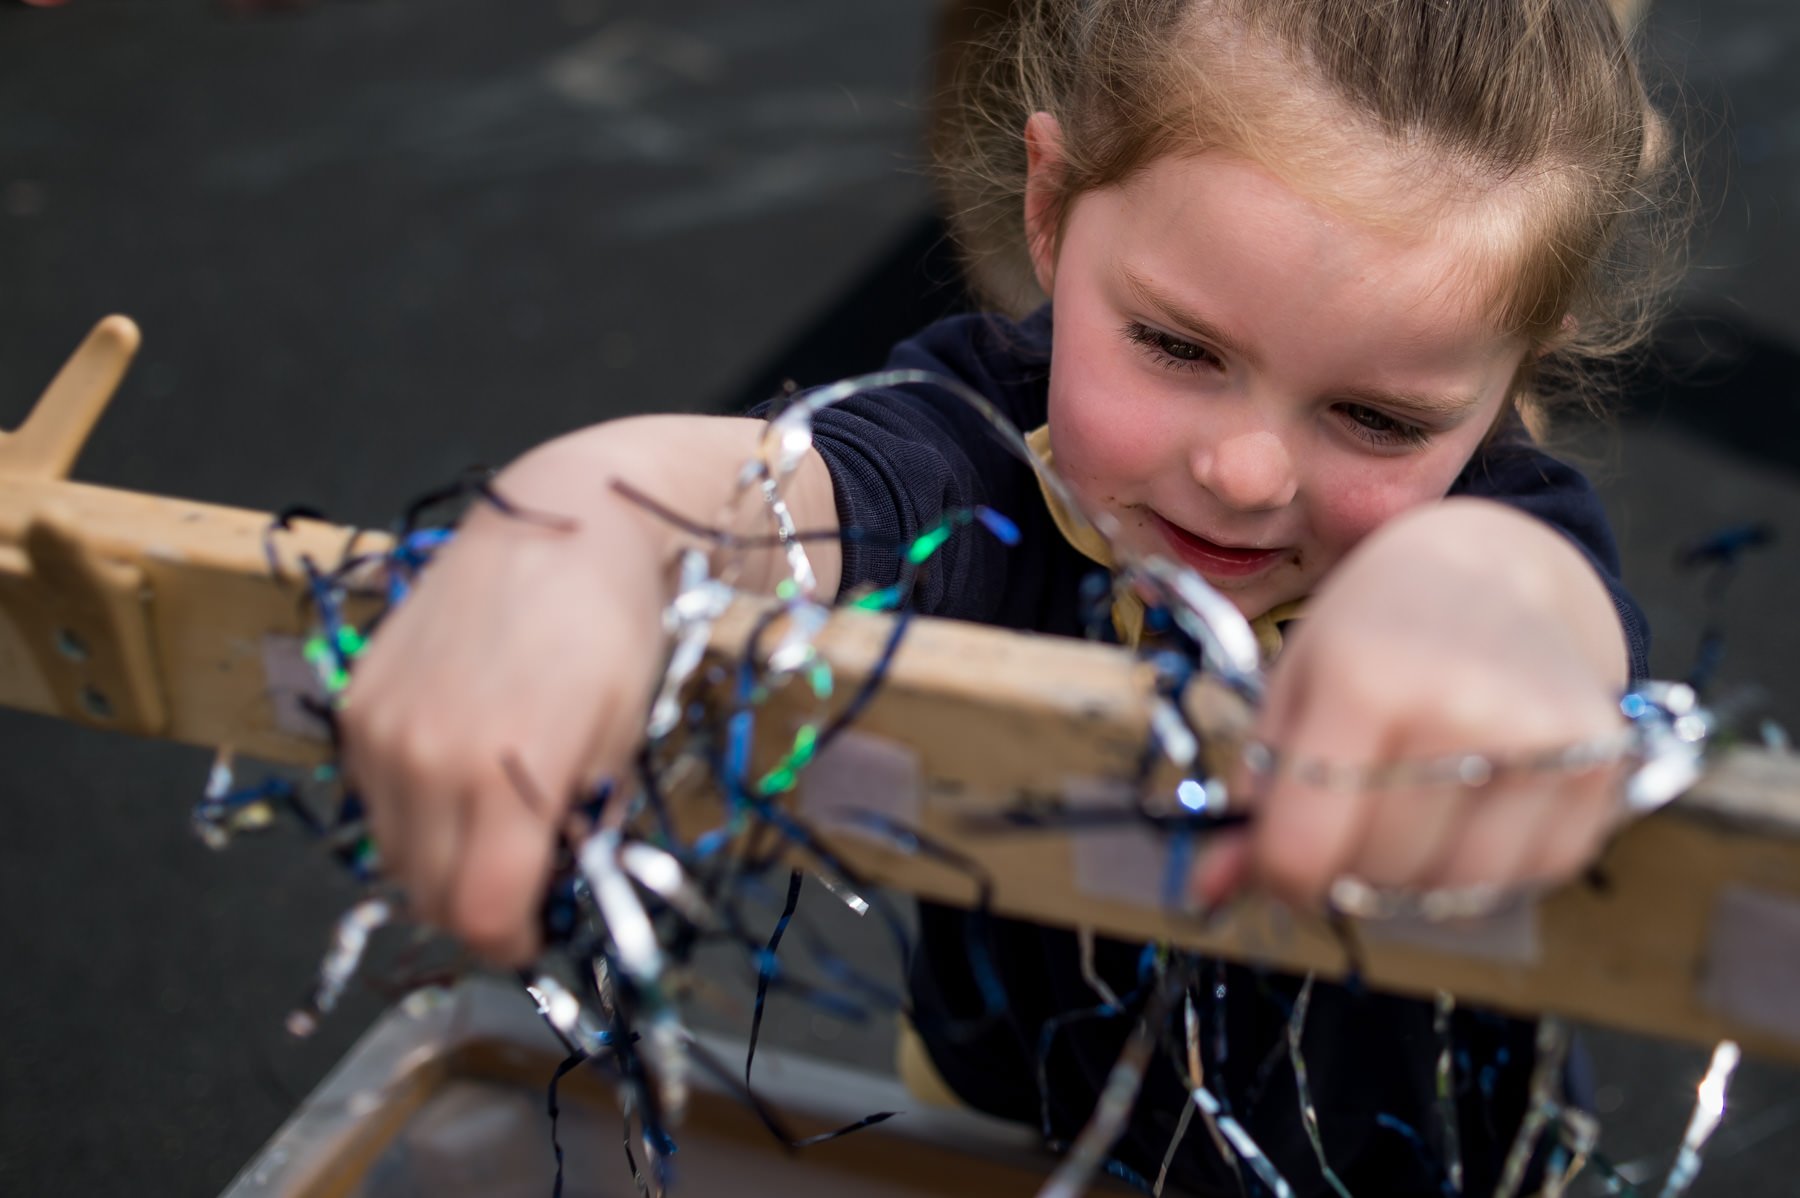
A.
x: 1108, y: 423
x: 1356, y: 506
x: 1102, y: 442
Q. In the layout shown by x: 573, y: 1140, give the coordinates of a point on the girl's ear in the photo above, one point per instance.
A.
x: 1043, y: 191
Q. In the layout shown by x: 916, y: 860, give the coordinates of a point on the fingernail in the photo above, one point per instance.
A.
x: 1220, y: 869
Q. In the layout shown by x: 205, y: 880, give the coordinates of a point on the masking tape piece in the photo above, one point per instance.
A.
x: 859, y: 771
x: 289, y: 683
x: 1752, y: 970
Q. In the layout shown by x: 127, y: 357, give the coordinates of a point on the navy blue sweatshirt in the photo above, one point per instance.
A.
x: 900, y: 458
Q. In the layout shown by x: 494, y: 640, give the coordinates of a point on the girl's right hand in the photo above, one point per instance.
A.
x: 523, y: 643
x: 538, y: 649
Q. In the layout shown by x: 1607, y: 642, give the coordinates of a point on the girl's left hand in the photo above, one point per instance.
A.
x: 1465, y: 627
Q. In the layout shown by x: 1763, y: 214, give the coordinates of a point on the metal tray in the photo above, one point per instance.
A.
x: 448, y: 1099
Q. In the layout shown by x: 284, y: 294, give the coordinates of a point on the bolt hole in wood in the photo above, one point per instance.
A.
x: 70, y: 645
x: 96, y: 704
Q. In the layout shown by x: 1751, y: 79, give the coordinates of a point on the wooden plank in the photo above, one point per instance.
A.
x: 991, y: 719
x: 216, y: 623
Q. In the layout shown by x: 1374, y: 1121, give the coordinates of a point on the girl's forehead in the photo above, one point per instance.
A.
x: 1389, y: 226
x: 1217, y: 247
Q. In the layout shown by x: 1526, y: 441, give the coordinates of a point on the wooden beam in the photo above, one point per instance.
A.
x: 1694, y: 935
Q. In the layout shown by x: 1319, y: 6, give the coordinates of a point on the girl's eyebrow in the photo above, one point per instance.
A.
x: 1170, y: 308
x: 1422, y: 405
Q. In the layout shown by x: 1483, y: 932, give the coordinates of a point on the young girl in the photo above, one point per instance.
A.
x: 1307, y: 262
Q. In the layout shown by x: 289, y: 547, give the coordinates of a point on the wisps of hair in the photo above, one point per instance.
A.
x: 1535, y: 105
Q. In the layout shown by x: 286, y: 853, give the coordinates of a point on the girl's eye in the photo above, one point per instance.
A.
x: 1172, y: 352
x: 1379, y: 428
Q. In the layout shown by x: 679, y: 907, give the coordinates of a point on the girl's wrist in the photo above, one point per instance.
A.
x: 608, y: 542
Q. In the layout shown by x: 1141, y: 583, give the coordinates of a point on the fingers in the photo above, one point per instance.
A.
x: 496, y: 883
x: 518, y: 642
x: 1577, y: 813
x: 1224, y: 867
x: 1308, y: 832
x: 1338, y: 803
x: 431, y: 717
x: 470, y: 852
x: 1411, y: 830
x: 1534, y: 831
x: 1505, y: 823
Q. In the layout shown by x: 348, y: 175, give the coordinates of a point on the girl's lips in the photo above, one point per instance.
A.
x: 1211, y: 558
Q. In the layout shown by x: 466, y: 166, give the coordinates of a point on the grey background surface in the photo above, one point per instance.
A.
x: 372, y: 242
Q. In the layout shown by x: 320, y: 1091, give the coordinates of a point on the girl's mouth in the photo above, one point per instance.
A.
x: 1210, y: 557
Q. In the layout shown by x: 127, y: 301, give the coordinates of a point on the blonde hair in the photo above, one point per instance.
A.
x: 1536, y: 102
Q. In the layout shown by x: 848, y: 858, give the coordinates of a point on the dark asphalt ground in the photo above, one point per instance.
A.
x: 373, y: 241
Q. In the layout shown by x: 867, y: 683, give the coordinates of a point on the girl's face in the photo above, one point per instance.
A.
x: 1250, y: 382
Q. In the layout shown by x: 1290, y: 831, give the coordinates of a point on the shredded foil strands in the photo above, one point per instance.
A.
x: 638, y: 954
x: 1709, y: 1112
x: 1087, y: 1155
x: 1579, y: 1132
x: 1444, y: 1080
x: 348, y: 943
x: 698, y: 604
x: 1181, y: 1129
x: 1309, y: 1115
x: 1672, y: 731
x: 799, y: 565
x: 1170, y: 728
x: 1241, y: 1143
x: 796, y: 652
x: 1546, y: 1075
x: 660, y: 872
x: 1084, y: 941
x: 224, y: 810
x: 1196, y: 1080
x: 627, y: 906
x: 573, y: 1023
x: 844, y: 894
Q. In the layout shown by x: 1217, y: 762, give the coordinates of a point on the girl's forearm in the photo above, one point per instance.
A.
x: 534, y: 653
x: 688, y: 464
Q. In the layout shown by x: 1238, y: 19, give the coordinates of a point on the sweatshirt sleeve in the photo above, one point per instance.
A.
x: 901, y: 457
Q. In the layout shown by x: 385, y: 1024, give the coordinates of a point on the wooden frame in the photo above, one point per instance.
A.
x: 162, y: 618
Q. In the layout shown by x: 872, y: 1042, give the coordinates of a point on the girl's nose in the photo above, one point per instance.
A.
x: 1248, y: 471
